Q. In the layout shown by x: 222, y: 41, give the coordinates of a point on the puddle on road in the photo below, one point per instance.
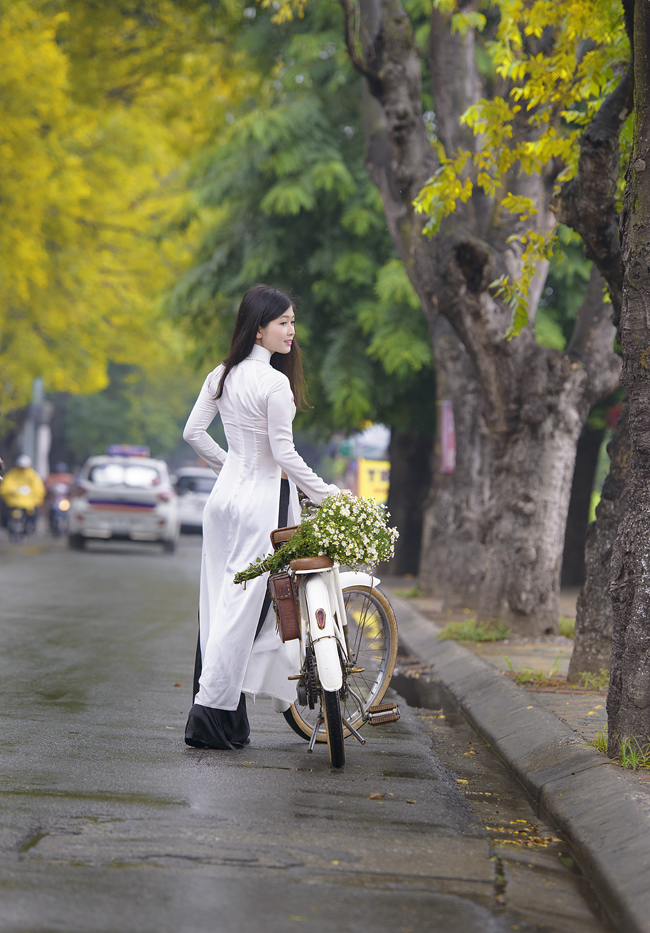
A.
x: 143, y: 800
x: 420, y: 689
x: 31, y: 842
x: 537, y: 874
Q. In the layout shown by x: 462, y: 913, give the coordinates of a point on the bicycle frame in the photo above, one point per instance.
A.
x: 322, y: 612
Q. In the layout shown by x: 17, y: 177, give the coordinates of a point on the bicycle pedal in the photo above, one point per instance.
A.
x: 382, y: 708
x: 383, y: 713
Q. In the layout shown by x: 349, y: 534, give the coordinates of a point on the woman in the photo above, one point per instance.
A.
x: 255, y: 390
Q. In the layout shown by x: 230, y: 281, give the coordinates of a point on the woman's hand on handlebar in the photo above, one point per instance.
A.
x: 305, y: 501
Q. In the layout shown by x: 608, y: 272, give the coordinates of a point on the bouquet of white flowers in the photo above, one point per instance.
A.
x: 349, y: 530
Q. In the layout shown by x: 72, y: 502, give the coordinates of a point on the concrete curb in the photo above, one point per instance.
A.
x: 596, y: 806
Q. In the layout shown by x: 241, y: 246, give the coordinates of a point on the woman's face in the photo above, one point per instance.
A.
x: 278, y: 334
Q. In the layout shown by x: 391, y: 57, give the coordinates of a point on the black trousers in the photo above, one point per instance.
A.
x: 221, y: 728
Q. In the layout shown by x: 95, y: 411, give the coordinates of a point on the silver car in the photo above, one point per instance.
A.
x: 193, y: 486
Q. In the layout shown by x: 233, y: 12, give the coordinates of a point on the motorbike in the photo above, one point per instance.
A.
x: 21, y: 522
x: 59, y: 505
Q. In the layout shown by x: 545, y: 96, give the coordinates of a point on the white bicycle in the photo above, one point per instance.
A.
x: 348, y: 645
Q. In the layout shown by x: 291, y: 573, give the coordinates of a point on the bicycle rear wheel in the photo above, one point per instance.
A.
x: 372, y: 641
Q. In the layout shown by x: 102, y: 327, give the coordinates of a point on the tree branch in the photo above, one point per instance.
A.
x: 348, y: 25
x: 455, y: 81
x: 587, y: 203
x: 593, y: 337
x: 396, y: 85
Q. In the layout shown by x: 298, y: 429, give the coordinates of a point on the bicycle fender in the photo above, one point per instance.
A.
x: 352, y: 578
x: 323, y: 636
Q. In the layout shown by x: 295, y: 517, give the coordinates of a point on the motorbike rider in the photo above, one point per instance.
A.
x: 57, y: 486
x: 60, y: 476
x: 22, y: 488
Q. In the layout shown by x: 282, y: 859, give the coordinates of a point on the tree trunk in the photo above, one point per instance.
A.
x: 575, y: 536
x: 628, y: 701
x: 452, y: 566
x: 530, y: 493
x: 410, y: 480
x: 592, y: 648
x: 588, y: 204
x: 12, y: 427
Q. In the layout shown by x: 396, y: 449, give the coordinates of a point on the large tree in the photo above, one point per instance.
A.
x: 489, y: 178
x: 628, y: 701
x: 589, y: 203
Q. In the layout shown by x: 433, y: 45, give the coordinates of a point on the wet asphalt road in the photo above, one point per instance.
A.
x: 108, y: 822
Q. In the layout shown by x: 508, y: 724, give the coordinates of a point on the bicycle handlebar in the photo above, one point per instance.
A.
x: 305, y: 501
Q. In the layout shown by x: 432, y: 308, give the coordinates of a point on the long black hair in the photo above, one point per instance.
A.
x: 260, y: 305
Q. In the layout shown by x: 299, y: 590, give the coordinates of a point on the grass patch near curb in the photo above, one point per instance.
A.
x: 633, y: 756
x: 567, y: 626
x: 411, y: 593
x: 600, y: 742
x: 471, y: 630
x: 535, y: 675
x: 598, y: 681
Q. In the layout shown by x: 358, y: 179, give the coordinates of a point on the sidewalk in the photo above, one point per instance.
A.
x: 542, y: 736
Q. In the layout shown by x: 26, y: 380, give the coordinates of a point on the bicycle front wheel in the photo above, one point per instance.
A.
x: 372, y: 641
x: 333, y: 727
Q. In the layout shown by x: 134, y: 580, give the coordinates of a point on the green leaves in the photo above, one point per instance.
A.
x: 395, y: 324
x: 394, y: 288
x: 288, y: 200
x: 333, y: 176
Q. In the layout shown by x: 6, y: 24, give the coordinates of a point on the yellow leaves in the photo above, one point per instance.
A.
x: 517, y: 204
x: 550, y: 95
x: 286, y: 10
x: 488, y: 115
x: 441, y: 193
x: 588, y: 39
x: 463, y: 22
x: 445, y: 6
x: 533, y: 248
x: 98, y: 112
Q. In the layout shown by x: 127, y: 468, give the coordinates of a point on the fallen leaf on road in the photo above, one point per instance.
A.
x: 376, y: 795
x: 410, y: 801
x: 178, y: 684
x: 461, y: 781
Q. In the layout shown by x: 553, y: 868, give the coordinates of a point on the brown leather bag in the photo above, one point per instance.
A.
x: 285, y: 603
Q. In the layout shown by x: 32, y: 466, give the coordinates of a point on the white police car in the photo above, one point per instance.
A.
x: 124, y: 495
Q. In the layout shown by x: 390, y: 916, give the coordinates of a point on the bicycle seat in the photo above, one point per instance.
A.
x: 280, y: 535
x: 311, y: 563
